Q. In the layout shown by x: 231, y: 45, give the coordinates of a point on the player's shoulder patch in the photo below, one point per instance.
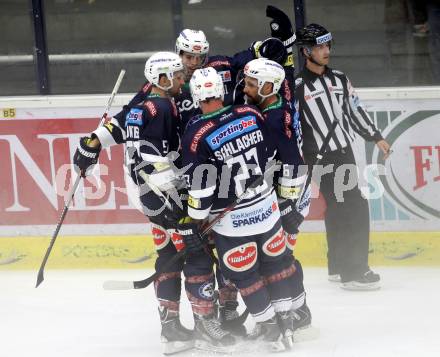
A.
x: 151, y: 107
x: 201, y: 131
x: 134, y: 116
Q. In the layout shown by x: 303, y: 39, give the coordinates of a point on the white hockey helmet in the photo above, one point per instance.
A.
x: 192, y: 41
x: 206, y: 83
x: 166, y: 63
x: 264, y: 70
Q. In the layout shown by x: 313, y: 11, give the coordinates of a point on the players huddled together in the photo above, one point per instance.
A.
x: 200, y: 131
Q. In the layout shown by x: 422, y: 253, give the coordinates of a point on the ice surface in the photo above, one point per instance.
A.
x: 70, y: 315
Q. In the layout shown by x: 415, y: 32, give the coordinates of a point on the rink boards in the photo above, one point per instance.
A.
x: 106, y: 229
x: 137, y: 251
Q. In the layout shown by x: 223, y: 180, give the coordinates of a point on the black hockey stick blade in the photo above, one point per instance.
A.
x: 140, y: 284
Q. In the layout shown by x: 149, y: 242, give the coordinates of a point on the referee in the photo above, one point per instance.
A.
x: 323, y: 94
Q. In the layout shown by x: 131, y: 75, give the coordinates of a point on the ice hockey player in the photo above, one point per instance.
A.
x: 225, y: 148
x: 193, y: 47
x: 263, y: 79
x: 150, y: 132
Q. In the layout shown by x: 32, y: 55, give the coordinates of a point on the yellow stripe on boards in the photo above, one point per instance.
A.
x: 137, y: 251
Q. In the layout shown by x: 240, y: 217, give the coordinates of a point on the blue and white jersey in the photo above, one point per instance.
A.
x: 149, y: 130
x: 223, y: 152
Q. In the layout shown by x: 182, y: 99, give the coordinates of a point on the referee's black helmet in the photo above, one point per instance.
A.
x: 313, y: 35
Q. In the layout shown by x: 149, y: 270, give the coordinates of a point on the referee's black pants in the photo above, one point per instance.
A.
x: 347, y: 223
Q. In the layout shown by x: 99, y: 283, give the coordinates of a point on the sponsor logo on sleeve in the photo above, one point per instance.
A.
x: 287, y: 92
x: 203, y: 130
x: 151, y: 108
x: 134, y: 117
x: 241, y: 258
x: 146, y: 88
x: 287, y: 124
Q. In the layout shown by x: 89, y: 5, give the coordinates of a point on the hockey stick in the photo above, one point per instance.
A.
x: 40, y: 276
x: 140, y: 284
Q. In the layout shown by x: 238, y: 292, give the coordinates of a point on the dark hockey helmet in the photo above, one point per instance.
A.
x: 313, y: 35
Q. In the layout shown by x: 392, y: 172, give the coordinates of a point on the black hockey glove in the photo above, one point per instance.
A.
x: 175, y: 214
x: 271, y: 48
x: 85, y: 156
x: 291, y: 219
x: 281, y: 28
x: 189, y: 230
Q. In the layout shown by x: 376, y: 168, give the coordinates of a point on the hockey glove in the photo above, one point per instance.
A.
x: 175, y: 214
x: 85, y: 156
x: 281, y: 28
x: 189, y: 230
x: 291, y: 219
x: 271, y: 48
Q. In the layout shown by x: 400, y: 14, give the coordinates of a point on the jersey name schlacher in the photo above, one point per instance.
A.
x: 225, y: 151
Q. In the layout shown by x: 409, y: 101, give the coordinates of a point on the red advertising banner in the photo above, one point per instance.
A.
x: 36, y: 175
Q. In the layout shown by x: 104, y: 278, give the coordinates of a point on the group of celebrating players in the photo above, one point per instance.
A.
x: 200, y: 131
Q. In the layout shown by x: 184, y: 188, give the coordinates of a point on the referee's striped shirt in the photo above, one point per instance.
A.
x: 321, y: 98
